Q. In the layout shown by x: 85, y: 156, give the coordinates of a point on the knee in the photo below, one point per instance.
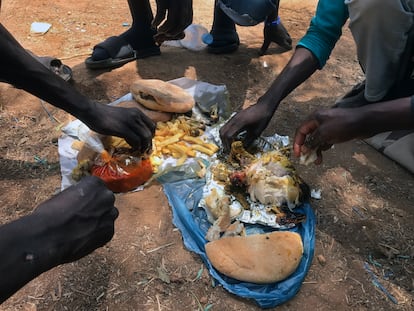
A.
x: 248, y: 13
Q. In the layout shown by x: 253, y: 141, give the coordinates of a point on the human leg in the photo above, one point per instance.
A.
x: 228, y: 13
x: 136, y: 42
x: 275, y: 31
x: 223, y: 31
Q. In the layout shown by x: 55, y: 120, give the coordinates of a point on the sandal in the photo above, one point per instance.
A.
x: 55, y: 65
x: 121, y: 52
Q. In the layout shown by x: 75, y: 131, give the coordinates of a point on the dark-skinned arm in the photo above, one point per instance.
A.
x: 337, y: 125
x: 63, y: 229
x: 254, y: 119
x: 20, y: 69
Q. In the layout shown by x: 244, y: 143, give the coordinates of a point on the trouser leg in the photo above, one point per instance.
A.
x: 228, y: 13
x: 223, y: 31
x: 275, y: 31
x: 221, y: 21
x: 141, y: 32
x: 139, y: 36
x: 249, y: 12
x: 380, y: 30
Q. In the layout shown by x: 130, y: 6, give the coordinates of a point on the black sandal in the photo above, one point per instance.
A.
x: 55, y: 65
x: 121, y: 52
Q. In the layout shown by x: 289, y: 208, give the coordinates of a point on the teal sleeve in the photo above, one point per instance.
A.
x: 325, y: 29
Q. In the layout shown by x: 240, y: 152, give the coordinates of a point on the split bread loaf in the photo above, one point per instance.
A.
x: 162, y: 96
x: 156, y: 116
x: 259, y: 258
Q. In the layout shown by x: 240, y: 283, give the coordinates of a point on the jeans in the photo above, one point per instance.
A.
x: 248, y: 12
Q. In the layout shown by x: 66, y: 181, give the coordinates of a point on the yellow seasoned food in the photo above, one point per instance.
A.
x: 181, y: 139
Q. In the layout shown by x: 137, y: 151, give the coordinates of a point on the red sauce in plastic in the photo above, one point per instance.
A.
x: 123, y: 176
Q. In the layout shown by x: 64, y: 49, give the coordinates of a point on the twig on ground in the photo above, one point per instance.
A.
x: 160, y: 247
x: 54, y: 119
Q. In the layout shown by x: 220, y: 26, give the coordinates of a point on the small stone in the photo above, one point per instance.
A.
x: 321, y: 260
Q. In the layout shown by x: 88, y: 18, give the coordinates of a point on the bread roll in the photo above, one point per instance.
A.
x: 259, y: 258
x: 152, y: 114
x: 162, y: 96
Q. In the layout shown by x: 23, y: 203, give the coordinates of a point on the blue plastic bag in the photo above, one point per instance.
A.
x: 191, y: 220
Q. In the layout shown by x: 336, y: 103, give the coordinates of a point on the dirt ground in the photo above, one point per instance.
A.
x: 366, y: 213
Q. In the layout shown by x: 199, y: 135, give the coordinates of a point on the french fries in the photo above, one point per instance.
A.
x: 181, y: 139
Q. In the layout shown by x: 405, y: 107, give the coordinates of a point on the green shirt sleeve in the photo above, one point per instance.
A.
x: 325, y: 29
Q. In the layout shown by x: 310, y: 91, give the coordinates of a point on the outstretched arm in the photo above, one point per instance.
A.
x: 255, y: 119
x: 19, y: 68
x: 63, y: 229
x: 336, y: 125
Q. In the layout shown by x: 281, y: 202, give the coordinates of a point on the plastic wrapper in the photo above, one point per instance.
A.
x: 208, y: 97
x: 191, y: 219
x: 123, y: 175
x: 184, y: 186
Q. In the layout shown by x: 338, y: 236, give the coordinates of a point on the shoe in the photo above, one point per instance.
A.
x: 277, y: 33
x: 224, y: 42
x: 121, y: 52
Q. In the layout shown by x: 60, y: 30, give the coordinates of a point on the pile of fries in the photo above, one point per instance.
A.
x: 180, y: 138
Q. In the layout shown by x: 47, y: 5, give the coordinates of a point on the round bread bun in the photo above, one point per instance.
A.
x: 259, y: 258
x: 152, y: 114
x: 162, y: 96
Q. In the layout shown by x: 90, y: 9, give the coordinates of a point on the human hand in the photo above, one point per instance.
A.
x: 252, y: 120
x: 129, y: 123
x: 326, y: 127
x: 180, y: 15
x: 78, y: 220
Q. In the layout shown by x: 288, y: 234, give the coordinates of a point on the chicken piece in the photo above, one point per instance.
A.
x: 236, y: 228
x: 218, y: 205
x: 272, y: 180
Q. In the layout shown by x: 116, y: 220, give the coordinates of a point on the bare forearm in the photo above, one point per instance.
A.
x: 20, y: 69
x: 25, y: 254
x: 300, y: 67
x: 387, y: 116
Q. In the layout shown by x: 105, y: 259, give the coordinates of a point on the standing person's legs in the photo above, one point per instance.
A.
x: 275, y: 31
x: 228, y: 13
x: 223, y: 30
x: 380, y: 30
x: 136, y: 42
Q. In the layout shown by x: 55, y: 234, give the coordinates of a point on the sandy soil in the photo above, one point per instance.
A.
x: 365, y: 214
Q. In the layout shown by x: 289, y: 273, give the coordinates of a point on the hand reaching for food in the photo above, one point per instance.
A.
x: 324, y: 128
